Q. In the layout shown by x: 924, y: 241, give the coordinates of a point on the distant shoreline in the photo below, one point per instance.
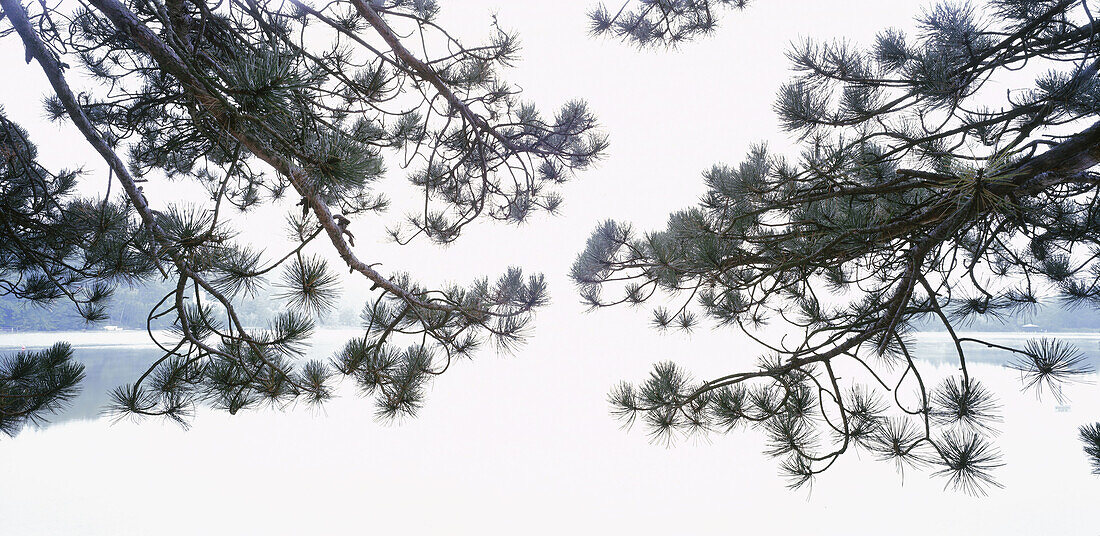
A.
x: 100, y: 338
x: 132, y: 338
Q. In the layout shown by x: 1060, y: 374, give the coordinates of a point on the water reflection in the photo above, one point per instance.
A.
x: 939, y: 348
x: 504, y: 441
x: 115, y: 358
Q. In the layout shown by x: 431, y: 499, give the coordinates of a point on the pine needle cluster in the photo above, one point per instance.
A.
x: 272, y: 104
x: 914, y: 201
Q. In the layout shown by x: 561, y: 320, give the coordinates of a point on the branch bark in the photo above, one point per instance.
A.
x: 171, y: 63
x: 37, y: 50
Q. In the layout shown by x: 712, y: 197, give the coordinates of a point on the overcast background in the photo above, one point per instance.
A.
x: 524, y: 444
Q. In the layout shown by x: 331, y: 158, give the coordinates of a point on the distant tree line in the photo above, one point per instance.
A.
x: 1050, y: 317
x: 129, y: 309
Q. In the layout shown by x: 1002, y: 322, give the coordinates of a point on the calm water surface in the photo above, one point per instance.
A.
x: 515, y: 445
x: 114, y: 358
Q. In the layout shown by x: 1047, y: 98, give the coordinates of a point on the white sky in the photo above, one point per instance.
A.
x: 523, y: 444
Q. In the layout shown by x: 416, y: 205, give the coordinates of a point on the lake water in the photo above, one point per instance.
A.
x: 515, y: 445
x: 114, y: 358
